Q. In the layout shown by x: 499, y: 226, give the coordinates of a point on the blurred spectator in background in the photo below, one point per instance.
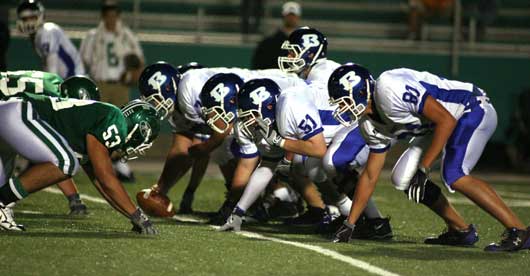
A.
x: 518, y: 133
x: 112, y: 55
x: 251, y: 14
x: 114, y: 60
x: 4, y: 35
x: 269, y: 49
x: 422, y: 10
x: 57, y: 52
x: 483, y: 11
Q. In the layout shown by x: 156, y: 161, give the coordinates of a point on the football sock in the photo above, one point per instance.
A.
x: 12, y: 191
x: 371, y: 210
x: 282, y: 194
x: 344, y: 205
x: 259, y: 180
x: 74, y: 197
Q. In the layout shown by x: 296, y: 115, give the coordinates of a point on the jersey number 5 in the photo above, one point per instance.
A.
x: 307, y: 125
x: 111, y: 133
x: 35, y: 79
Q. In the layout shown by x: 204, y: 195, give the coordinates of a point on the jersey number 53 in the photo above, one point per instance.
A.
x: 111, y: 133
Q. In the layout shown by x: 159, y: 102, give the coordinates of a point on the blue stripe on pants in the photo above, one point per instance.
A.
x: 457, y: 145
x: 352, y: 144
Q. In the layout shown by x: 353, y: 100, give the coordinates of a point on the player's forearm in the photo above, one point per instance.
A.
x: 308, y: 148
x: 90, y: 173
x: 442, y: 132
x: 363, y: 192
x: 117, y: 194
x: 109, y: 199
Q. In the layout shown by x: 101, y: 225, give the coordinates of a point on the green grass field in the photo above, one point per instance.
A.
x: 101, y: 244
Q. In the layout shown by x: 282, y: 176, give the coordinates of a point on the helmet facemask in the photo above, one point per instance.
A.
x: 131, y: 151
x: 29, y: 21
x: 216, y: 113
x: 296, y: 63
x: 348, y: 108
x: 163, y: 106
x: 250, y: 120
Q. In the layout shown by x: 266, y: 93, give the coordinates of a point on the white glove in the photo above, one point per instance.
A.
x: 273, y: 138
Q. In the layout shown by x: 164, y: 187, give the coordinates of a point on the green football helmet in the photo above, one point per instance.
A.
x: 143, y: 127
x: 79, y: 87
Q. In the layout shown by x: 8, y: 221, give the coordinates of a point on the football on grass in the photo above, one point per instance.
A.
x: 155, y: 204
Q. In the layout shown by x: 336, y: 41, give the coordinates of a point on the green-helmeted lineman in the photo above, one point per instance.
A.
x: 37, y: 82
x: 50, y: 132
x: 13, y: 83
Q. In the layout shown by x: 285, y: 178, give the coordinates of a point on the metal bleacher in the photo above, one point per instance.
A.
x: 380, y: 24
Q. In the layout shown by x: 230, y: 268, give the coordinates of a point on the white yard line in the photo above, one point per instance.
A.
x: 320, y: 250
x: 323, y: 251
x: 29, y: 212
x: 54, y: 190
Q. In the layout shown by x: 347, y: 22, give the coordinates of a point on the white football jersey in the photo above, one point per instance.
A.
x: 399, y: 98
x: 191, y: 84
x: 322, y: 70
x: 297, y: 116
x: 60, y: 56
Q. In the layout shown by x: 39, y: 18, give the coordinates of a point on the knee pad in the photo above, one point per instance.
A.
x: 432, y: 194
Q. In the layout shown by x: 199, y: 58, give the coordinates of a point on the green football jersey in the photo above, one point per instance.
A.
x: 34, y: 82
x: 74, y: 119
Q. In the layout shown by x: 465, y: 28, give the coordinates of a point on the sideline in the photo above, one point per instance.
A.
x: 320, y: 250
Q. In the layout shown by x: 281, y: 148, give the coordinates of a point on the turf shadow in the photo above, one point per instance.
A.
x: 430, y: 253
x: 49, y: 216
x: 78, y: 235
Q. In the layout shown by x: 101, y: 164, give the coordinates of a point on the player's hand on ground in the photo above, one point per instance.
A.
x: 344, y: 233
x: 273, y: 138
x: 417, y: 185
x: 233, y: 223
x: 142, y: 224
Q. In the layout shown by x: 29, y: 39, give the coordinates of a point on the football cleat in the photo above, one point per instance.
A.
x: 223, y: 213
x: 372, y: 229
x: 312, y: 216
x: 77, y: 208
x: 466, y: 237
x: 185, y: 204
x: 6, y: 219
x: 513, y: 240
x: 233, y: 223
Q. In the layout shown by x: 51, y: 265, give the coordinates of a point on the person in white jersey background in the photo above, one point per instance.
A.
x: 114, y: 59
x: 456, y: 117
x: 58, y: 54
